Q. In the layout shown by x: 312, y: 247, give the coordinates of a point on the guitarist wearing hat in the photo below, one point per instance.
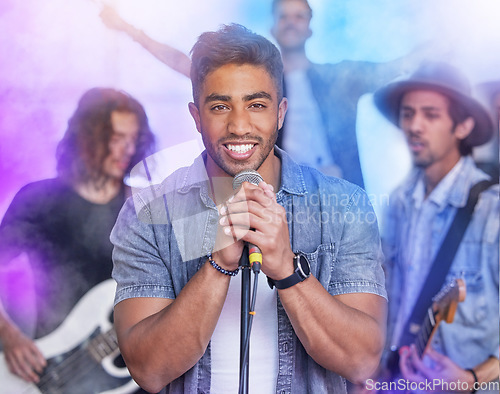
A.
x: 442, y: 123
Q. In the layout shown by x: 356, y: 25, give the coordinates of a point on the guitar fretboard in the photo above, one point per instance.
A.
x: 425, y: 332
x: 103, y: 345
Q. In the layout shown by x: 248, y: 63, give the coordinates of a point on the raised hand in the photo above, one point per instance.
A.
x: 112, y: 19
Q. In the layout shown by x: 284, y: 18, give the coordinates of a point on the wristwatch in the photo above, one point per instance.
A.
x: 301, y: 273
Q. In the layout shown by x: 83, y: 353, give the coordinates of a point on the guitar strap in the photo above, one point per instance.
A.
x: 442, y: 262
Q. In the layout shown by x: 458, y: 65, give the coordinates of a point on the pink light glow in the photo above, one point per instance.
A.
x: 53, y: 51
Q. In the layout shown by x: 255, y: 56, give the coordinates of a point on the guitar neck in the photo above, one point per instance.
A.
x: 427, y: 330
x: 443, y: 308
x: 103, y: 345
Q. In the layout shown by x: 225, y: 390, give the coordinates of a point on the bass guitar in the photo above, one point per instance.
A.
x: 82, y: 353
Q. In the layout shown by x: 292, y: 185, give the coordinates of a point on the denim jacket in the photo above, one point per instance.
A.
x: 473, y: 335
x: 163, y: 234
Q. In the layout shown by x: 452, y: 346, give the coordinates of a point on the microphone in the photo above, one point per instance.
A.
x: 253, y: 177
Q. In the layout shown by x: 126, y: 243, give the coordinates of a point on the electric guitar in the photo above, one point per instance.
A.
x: 82, y: 353
x: 443, y: 308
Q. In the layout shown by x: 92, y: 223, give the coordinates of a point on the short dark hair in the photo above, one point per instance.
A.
x: 278, y: 2
x: 85, y: 145
x: 233, y: 44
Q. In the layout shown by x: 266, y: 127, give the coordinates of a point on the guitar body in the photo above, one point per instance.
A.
x: 82, y: 354
x: 443, y: 308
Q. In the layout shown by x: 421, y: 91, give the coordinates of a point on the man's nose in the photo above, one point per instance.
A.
x: 414, y: 124
x: 239, y: 122
x: 130, y: 147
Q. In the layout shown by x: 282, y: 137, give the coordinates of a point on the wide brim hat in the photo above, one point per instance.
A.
x: 442, y: 78
x: 488, y: 90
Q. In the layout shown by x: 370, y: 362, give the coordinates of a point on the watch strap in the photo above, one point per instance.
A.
x: 298, y: 276
x: 285, y: 283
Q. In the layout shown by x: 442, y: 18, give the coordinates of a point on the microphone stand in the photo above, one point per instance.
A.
x: 245, y: 315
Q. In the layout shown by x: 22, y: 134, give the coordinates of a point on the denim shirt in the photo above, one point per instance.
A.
x: 473, y: 335
x: 163, y: 234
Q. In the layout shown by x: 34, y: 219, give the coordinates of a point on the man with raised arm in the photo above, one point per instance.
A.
x: 320, y: 130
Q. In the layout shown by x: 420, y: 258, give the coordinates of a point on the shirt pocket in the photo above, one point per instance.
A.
x: 468, y: 265
x: 321, y: 261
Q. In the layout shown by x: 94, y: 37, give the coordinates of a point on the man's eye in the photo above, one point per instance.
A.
x: 219, y: 107
x: 257, y: 105
x: 432, y: 116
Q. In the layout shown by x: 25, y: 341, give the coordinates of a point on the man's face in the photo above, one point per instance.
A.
x: 238, y: 118
x: 122, y: 144
x: 291, y: 24
x: 429, y: 129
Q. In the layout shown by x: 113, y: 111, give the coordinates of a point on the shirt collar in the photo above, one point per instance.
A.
x: 195, y: 175
x: 292, y: 177
x: 449, y: 191
x: 464, y: 181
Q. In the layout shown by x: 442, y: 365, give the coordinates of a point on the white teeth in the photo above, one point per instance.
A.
x: 240, y: 148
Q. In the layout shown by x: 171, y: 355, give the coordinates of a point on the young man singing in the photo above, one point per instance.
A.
x: 177, y: 312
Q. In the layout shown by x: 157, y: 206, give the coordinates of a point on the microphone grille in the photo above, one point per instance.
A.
x: 250, y: 176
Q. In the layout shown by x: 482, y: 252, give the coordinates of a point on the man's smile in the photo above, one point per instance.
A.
x: 239, y: 151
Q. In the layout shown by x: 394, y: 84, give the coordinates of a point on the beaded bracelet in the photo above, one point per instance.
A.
x: 474, y: 387
x: 219, y: 268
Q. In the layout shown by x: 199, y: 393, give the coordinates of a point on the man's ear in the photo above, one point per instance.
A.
x: 282, y: 112
x: 463, y: 129
x: 195, y: 113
